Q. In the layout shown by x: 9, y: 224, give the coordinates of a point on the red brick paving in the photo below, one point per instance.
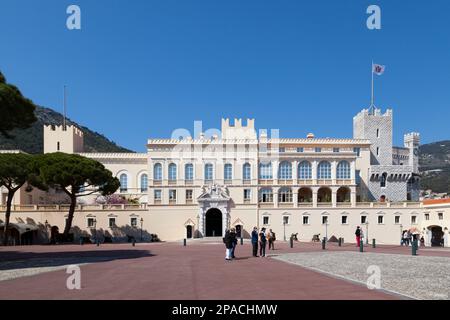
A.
x: 198, y: 271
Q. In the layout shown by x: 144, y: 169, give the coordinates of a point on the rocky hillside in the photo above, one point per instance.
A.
x: 31, y: 140
x: 435, y: 166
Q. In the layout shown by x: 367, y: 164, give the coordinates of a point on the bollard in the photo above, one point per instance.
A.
x: 242, y: 241
x: 361, y: 246
x: 373, y: 243
x: 184, y: 242
x: 134, y: 242
x: 81, y: 241
x: 323, y: 243
x: 340, y: 242
x: 414, y: 248
x: 98, y: 243
x: 292, y: 242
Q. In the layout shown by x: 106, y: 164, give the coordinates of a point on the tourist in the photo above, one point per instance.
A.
x: 234, y: 241
x: 255, y: 241
x: 271, y: 238
x: 405, y: 238
x: 228, y: 240
x: 262, y: 242
x: 358, y: 236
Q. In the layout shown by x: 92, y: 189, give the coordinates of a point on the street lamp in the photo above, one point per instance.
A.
x: 367, y: 232
x: 401, y: 234
x: 142, y: 221
x: 284, y: 229
x: 95, y: 229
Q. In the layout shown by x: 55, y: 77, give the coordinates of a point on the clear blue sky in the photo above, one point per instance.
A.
x: 142, y: 68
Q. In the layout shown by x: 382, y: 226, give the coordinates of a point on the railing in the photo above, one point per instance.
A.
x: 65, y: 207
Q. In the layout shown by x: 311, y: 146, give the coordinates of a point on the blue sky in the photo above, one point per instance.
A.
x: 142, y: 68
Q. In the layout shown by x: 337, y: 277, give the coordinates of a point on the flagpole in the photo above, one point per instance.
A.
x: 64, y: 106
x: 372, y: 97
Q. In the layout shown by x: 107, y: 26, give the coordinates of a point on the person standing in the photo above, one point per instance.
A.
x: 255, y: 241
x: 228, y: 241
x: 262, y: 242
x: 271, y: 238
x: 234, y: 241
x: 405, y: 238
x: 358, y: 236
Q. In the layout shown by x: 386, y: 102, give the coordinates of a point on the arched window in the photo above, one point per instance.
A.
x: 189, y: 172
x: 304, y: 170
x: 157, y: 172
x: 144, y: 182
x: 285, y: 195
x: 383, y: 180
x: 265, y: 171
x: 123, y: 182
x: 247, y: 171
x: 228, y: 171
x: 285, y: 171
x: 172, y: 172
x: 343, y: 170
x: 266, y: 195
x: 324, y: 170
x: 209, y: 172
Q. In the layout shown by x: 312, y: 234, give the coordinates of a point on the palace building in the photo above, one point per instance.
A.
x: 193, y: 187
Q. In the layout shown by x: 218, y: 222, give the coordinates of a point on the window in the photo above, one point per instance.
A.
x: 172, y: 195
x: 344, y: 219
x: 157, y: 172
x: 335, y: 150
x: 300, y: 149
x: 282, y: 150
x: 324, y: 170
x: 363, y: 219
x: 247, y: 171
x: 285, y: 219
x: 318, y: 149
x: 247, y: 194
x: 144, y: 182
x: 209, y: 172
x: 380, y: 219
x: 285, y: 171
x: 305, y: 220
x: 441, y: 216
x: 285, y: 195
x: 358, y: 177
x: 189, y: 172
x: 91, y: 222
x: 112, y: 222
x: 357, y: 151
x: 343, y: 170
x: 58, y: 146
x: 228, y: 172
x: 378, y: 133
x: 427, y: 216
x: 378, y: 151
x: 397, y: 219
x: 172, y: 172
x: 133, y: 222
x: 324, y: 219
x: 265, y: 171
x: 266, y: 196
x: 304, y: 170
x: 158, y: 195
x: 189, y: 194
x: 413, y: 219
x: 265, y: 220
x: 383, y: 180
x: 123, y: 182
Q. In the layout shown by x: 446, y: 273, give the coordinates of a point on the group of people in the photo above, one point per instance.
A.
x: 259, y: 240
x: 408, y: 238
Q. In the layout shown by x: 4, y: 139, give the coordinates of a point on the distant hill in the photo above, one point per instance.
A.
x: 435, y: 166
x: 31, y: 140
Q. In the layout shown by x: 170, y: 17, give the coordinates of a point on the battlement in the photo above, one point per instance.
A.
x: 59, y: 138
x: 377, y: 112
x: 60, y: 128
x: 237, y: 130
x: 413, y: 137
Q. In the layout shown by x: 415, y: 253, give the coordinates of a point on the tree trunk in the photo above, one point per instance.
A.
x: 7, y: 216
x: 73, y: 203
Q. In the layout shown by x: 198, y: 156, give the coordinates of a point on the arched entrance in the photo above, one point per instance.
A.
x: 324, y: 195
x: 189, y: 232
x: 343, y: 194
x: 213, y: 223
x: 239, y: 231
x: 305, y: 195
x: 437, y: 236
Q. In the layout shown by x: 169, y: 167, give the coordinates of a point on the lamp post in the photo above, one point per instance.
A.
x: 142, y: 222
x: 367, y: 232
x: 95, y: 229
x: 326, y: 228
x: 401, y: 234
x: 284, y: 229
x: 46, y: 231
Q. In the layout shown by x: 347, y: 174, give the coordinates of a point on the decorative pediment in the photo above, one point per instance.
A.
x: 189, y: 222
x: 237, y: 222
x: 214, y: 193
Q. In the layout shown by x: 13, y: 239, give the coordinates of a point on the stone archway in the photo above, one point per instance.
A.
x: 213, y: 223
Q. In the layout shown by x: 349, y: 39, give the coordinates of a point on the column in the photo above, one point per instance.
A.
x: 446, y: 238
x: 333, y: 172
x: 275, y: 197
x: 295, y: 197
x: 295, y: 172
x: 201, y: 223
x: 334, y: 197
x: 314, y: 174
x: 353, y: 171
x: 314, y: 196
x: 353, y: 196
x: 224, y: 221
x: 275, y: 165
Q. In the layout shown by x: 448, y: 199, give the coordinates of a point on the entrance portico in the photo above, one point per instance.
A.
x: 214, y: 204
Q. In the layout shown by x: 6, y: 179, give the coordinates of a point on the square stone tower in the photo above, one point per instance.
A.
x: 412, y: 142
x: 59, y: 139
x: 377, y: 127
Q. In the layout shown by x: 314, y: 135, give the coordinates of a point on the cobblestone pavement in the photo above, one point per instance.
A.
x: 418, y: 277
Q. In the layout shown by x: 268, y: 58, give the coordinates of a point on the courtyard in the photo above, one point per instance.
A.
x: 170, y: 271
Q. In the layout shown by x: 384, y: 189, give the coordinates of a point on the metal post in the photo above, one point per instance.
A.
x: 134, y: 242
x: 98, y: 243
x: 414, y: 248
x: 242, y: 241
x: 323, y: 243
x: 284, y: 230
x: 184, y: 242
x: 361, y: 246
x: 292, y: 242
x: 340, y: 242
x: 367, y: 233
x: 373, y: 243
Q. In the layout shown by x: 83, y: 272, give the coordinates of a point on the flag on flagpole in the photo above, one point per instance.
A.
x: 378, y: 69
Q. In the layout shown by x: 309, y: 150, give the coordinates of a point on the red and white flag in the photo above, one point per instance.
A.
x: 378, y: 69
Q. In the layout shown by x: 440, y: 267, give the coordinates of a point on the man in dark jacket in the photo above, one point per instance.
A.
x: 262, y: 242
x: 255, y: 241
x: 228, y: 241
